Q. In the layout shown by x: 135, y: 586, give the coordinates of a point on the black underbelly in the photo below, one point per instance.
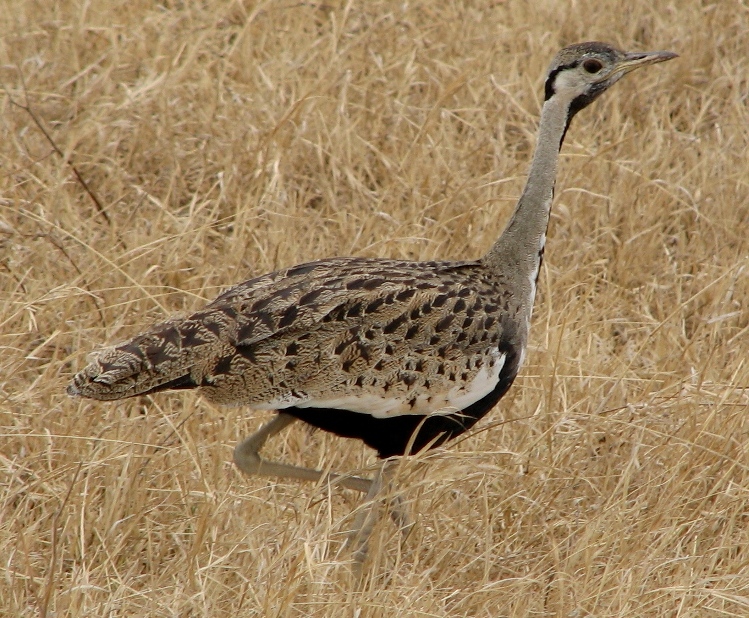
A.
x: 403, y: 434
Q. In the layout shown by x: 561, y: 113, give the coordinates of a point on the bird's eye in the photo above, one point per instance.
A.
x: 592, y: 65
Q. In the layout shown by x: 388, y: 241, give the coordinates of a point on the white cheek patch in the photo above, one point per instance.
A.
x: 568, y: 80
x: 459, y: 397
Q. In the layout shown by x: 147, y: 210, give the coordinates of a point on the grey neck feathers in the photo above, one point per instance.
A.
x: 518, y: 252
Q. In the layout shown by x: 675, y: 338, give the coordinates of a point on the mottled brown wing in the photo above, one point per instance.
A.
x: 227, y: 346
x: 407, y: 348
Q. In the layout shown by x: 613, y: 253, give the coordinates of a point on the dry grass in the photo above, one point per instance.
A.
x: 224, y: 139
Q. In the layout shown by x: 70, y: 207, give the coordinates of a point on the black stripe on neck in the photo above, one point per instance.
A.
x: 581, y: 102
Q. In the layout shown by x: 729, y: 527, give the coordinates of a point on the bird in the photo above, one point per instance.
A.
x: 402, y: 355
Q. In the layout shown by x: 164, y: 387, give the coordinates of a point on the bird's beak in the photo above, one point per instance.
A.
x: 635, y: 60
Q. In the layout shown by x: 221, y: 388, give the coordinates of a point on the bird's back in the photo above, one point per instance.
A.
x: 375, y: 338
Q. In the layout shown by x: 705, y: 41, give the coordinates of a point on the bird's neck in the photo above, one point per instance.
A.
x: 519, y: 251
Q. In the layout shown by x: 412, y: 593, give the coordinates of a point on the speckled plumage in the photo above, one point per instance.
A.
x: 365, y: 330
x: 403, y: 355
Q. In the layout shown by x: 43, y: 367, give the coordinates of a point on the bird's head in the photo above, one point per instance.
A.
x: 580, y: 73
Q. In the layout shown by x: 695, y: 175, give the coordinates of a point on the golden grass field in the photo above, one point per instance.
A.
x: 226, y: 138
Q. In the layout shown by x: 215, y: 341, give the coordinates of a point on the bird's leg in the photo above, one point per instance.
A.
x: 365, y: 520
x: 248, y: 460
x: 399, y: 515
x: 358, y: 538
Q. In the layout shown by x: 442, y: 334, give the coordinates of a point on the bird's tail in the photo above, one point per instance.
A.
x: 170, y: 355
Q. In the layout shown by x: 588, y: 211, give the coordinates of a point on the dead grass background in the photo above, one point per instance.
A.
x: 226, y: 138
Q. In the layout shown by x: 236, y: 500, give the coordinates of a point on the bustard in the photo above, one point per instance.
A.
x: 402, y: 355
